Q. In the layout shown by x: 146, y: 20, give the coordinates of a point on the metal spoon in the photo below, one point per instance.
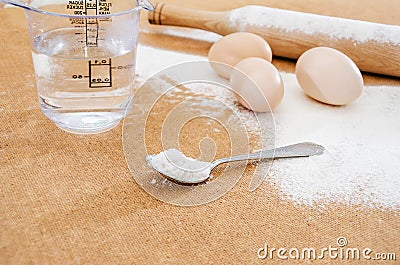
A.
x: 202, y: 173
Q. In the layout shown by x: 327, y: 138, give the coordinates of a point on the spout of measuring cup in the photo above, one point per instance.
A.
x: 3, y: 3
x: 145, y: 4
x: 15, y: 3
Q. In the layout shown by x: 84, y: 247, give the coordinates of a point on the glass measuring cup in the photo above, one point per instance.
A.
x: 84, y: 59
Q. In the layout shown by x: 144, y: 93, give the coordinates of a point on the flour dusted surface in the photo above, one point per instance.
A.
x: 360, y: 166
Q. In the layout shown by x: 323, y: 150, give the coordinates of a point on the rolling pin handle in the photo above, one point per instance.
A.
x: 154, y: 16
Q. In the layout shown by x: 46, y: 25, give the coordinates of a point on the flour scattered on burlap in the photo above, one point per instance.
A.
x: 361, y: 164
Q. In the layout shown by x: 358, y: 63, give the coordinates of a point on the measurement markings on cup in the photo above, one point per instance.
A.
x: 91, y: 24
x: 100, y: 70
x: 100, y: 73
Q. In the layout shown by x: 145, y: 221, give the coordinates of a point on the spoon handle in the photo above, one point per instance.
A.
x: 295, y: 150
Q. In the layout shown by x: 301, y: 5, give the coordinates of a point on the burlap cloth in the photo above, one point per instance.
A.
x: 68, y: 199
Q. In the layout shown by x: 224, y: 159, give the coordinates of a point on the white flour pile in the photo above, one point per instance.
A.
x: 177, y: 166
x: 361, y: 164
x: 310, y: 24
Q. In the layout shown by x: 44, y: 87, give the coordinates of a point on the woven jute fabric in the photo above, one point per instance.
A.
x: 70, y: 199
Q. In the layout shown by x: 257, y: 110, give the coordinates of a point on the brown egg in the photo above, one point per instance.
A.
x: 329, y: 76
x: 258, y: 84
x: 235, y: 47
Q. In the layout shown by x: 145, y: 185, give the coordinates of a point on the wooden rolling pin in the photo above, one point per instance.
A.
x: 373, y: 47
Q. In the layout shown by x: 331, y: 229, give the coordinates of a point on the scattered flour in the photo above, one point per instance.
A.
x: 360, y: 166
x: 177, y: 166
x: 146, y: 68
x: 311, y: 24
x: 187, y: 33
x: 151, y: 61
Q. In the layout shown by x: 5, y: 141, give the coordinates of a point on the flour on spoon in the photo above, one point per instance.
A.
x: 181, y: 168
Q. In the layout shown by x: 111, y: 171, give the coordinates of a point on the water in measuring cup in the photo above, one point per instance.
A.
x: 83, y: 89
